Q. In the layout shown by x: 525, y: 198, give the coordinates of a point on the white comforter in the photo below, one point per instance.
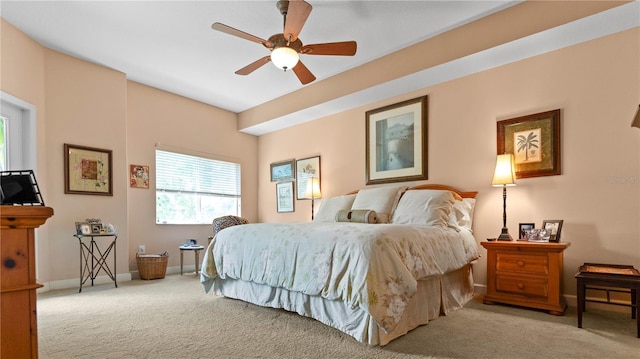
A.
x: 373, y: 266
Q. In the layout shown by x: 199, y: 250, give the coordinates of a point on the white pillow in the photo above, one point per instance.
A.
x: 462, y: 214
x: 330, y: 206
x: 424, y: 207
x: 383, y: 200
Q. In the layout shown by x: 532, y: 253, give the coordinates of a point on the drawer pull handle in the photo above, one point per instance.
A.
x: 520, y: 286
x: 520, y: 264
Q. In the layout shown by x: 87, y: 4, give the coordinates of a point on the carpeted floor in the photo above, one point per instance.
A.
x: 173, y: 318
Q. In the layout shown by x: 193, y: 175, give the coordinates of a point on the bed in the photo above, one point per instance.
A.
x: 373, y: 264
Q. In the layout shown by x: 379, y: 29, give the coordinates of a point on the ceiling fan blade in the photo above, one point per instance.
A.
x: 304, y: 75
x: 241, y: 34
x: 297, y: 15
x: 346, y: 48
x: 253, y: 66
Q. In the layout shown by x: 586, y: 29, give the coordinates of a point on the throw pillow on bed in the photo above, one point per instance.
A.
x: 329, y: 207
x: 357, y: 216
x: 424, y: 207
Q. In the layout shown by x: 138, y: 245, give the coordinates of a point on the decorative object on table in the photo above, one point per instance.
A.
x: 284, y: 197
x: 283, y: 171
x: 504, y: 176
x: 152, y: 266
x: 109, y: 228
x: 87, y: 170
x: 306, y: 169
x: 636, y: 119
x: 538, y: 235
x: 83, y: 229
x: 524, y: 229
x: 535, y: 142
x: 554, y: 227
x: 138, y: 176
x: 191, y: 242
x: 19, y: 188
x: 397, y: 142
x: 313, y: 191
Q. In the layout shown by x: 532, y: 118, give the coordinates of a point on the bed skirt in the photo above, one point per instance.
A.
x: 435, y: 296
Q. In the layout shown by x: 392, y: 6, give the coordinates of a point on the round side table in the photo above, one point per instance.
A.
x: 196, y: 249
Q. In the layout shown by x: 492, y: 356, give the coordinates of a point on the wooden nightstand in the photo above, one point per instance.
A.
x: 527, y: 274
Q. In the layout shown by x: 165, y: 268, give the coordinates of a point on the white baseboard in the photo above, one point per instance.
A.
x: 122, y: 277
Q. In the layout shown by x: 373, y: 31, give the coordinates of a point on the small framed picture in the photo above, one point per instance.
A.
x: 96, y: 228
x: 284, y: 196
x: 83, y: 229
x: 282, y: 171
x: 525, y: 228
x: 555, y: 226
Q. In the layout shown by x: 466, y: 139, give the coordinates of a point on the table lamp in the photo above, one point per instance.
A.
x: 505, y: 175
x: 313, y: 191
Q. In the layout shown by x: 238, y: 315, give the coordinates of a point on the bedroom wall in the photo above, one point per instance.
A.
x: 82, y: 103
x: 596, y: 85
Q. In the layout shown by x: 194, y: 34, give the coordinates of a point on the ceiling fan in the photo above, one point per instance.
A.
x: 286, y: 47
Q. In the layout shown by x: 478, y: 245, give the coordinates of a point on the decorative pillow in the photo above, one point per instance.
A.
x: 382, y: 200
x: 356, y: 216
x: 223, y: 222
x: 462, y: 214
x: 330, y: 206
x: 424, y: 207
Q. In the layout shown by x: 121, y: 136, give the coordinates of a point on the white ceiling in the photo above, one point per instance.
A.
x: 170, y: 44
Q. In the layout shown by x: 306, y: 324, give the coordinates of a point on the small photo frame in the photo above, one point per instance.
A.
x: 524, y: 229
x: 83, y: 229
x: 96, y: 228
x: 138, y: 176
x: 555, y: 226
x: 282, y: 171
x: 284, y: 197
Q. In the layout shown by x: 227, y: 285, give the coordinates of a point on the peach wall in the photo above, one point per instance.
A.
x: 596, y: 86
x: 158, y: 117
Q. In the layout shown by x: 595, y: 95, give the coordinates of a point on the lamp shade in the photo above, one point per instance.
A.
x: 284, y: 57
x: 636, y: 119
x: 505, y: 174
x: 313, y: 188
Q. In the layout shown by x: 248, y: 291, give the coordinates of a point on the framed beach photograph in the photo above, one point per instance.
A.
x: 282, y: 171
x: 284, y: 197
x: 87, y: 170
x: 555, y: 226
x: 138, y: 176
x: 396, y: 142
x: 534, y: 141
x: 306, y: 169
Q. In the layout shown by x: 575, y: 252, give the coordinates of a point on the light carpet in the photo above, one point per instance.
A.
x: 173, y: 318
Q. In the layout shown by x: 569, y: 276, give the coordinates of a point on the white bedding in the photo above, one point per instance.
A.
x: 375, y: 268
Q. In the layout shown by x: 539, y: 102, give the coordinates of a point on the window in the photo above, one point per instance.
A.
x: 195, y: 190
x: 3, y: 144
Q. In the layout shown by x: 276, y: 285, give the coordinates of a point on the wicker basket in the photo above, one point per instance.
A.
x: 152, y: 266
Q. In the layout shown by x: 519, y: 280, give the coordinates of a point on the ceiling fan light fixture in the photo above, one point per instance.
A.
x: 284, y: 57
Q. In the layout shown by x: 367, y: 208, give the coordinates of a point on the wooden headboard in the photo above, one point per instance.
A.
x: 438, y: 187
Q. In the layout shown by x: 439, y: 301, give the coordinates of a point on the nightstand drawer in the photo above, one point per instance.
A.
x: 522, y: 263
x: 531, y: 287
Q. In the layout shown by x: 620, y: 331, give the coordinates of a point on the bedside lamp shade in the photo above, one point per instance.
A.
x: 313, y: 191
x: 505, y: 175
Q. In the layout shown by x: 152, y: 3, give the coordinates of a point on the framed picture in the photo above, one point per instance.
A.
x: 87, y: 170
x: 83, y: 229
x: 306, y: 168
x: 555, y: 226
x: 396, y: 142
x: 138, y: 176
x: 524, y: 229
x: 282, y: 171
x: 96, y: 228
x: 534, y: 141
x: 284, y: 196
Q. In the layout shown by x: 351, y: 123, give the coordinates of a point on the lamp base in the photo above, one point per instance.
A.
x: 505, y: 236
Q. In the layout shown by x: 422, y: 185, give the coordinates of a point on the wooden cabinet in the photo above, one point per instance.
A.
x: 18, y: 327
x: 527, y: 274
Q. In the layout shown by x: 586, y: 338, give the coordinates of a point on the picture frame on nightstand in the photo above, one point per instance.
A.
x: 524, y: 229
x: 555, y: 226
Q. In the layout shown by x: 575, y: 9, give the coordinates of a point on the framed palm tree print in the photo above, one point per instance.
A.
x: 534, y: 141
